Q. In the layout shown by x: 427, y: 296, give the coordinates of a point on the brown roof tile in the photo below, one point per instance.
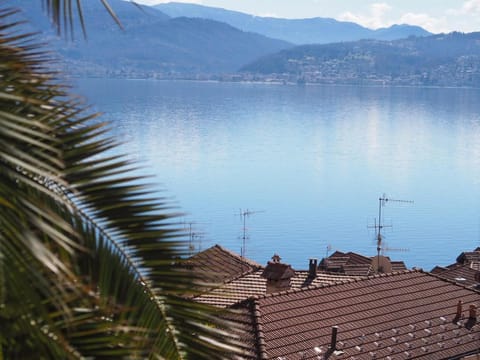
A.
x: 469, y: 257
x: 358, y: 269
x: 461, y: 274
x: 398, y: 266
x: 217, y: 264
x: 398, y: 316
x: 278, y: 271
x: 438, y: 270
x: 253, y: 284
x: 354, y: 264
x: 355, y: 258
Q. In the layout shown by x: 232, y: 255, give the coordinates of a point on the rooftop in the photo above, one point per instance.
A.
x: 253, y: 284
x: 357, y: 265
x: 465, y: 271
x: 403, y: 315
x: 217, y: 264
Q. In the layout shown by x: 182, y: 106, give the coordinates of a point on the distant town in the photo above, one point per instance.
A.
x: 325, y: 73
x: 168, y: 44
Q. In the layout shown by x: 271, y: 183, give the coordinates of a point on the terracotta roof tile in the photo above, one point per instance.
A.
x: 218, y: 264
x: 468, y: 257
x: 398, y: 266
x: 358, y: 269
x: 355, y: 258
x: 461, y: 274
x: 278, y: 271
x: 355, y: 264
x: 403, y: 315
x: 253, y: 284
x: 438, y: 270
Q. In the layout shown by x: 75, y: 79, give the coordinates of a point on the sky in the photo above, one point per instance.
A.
x: 436, y: 16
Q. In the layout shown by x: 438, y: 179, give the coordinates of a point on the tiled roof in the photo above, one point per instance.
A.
x: 469, y: 257
x: 354, y: 264
x: 358, y: 269
x: 218, y: 264
x: 355, y: 258
x: 438, y: 270
x: 461, y: 274
x: 278, y: 271
x: 398, y: 266
x: 253, y: 284
x: 390, y: 316
x: 465, y: 271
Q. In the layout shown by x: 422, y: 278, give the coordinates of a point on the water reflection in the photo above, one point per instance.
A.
x: 315, y: 159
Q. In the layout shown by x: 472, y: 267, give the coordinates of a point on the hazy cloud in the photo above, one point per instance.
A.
x: 468, y: 13
x: 270, y: 15
x: 381, y: 15
x: 471, y: 6
x: 376, y: 18
x: 430, y: 23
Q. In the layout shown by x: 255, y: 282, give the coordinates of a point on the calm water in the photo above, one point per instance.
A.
x: 312, y: 161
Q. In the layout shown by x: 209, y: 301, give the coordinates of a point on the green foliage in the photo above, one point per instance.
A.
x: 88, y: 255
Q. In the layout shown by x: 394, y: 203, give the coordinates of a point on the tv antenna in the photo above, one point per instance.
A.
x: 193, y: 236
x: 244, y: 214
x: 382, y: 201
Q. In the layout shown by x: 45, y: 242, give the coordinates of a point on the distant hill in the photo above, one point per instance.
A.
x: 438, y: 60
x: 297, y: 31
x: 152, y: 42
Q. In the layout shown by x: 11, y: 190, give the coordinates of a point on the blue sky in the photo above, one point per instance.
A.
x: 433, y: 15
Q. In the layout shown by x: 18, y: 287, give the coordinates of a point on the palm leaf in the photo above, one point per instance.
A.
x: 61, y: 12
x: 88, y: 255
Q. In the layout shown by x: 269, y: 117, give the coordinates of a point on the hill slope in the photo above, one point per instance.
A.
x: 297, y: 31
x: 439, y: 60
x: 152, y: 42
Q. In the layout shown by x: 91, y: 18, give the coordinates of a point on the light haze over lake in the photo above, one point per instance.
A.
x: 311, y: 160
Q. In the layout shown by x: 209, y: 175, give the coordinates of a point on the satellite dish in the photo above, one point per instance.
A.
x: 381, y: 264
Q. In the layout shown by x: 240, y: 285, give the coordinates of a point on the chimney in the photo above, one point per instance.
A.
x: 333, y: 341
x: 459, y: 309
x: 278, y: 275
x: 472, y: 312
x: 312, y: 268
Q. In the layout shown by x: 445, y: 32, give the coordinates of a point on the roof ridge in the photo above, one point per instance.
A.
x: 226, y: 282
x: 237, y: 256
x: 245, y: 273
x: 440, y: 277
x: 258, y: 324
x: 337, y: 283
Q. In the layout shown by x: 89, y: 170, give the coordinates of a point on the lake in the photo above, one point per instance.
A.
x: 308, y: 162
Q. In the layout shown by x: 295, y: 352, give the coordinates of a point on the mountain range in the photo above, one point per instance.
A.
x: 296, y: 31
x: 151, y: 42
x: 438, y: 60
x: 197, y: 42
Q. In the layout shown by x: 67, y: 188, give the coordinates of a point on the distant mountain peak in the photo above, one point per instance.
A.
x: 315, y: 30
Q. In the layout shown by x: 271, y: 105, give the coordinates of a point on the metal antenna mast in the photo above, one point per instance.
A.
x: 192, y: 237
x: 382, y: 201
x: 244, y: 214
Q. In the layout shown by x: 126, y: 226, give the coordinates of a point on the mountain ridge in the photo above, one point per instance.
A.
x: 156, y: 45
x: 438, y: 60
x: 152, y: 42
x: 315, y: 30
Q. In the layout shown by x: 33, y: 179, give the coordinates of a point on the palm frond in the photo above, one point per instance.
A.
x: 62, y: 13
x: 91, y: 253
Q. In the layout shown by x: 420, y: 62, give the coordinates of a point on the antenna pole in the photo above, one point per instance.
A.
x: 381, y: 202
x: 379, y: 236
x: 244, y: 214
x: 244, y: 237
